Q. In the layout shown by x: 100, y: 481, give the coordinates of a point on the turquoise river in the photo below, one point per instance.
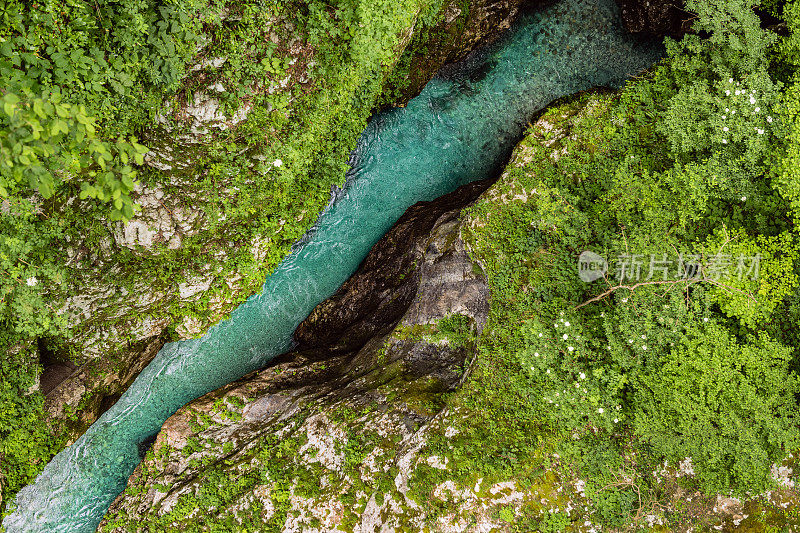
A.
x: 461, y: 128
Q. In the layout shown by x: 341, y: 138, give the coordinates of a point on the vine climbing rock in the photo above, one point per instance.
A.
x: 655, y: 17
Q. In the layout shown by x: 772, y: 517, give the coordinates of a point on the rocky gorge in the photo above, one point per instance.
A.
x: 114, y: 336
x: 118, y: 323
x: 373, y: 420
x: 89, y: 473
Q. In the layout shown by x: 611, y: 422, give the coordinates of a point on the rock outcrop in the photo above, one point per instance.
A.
x: 392, y: 276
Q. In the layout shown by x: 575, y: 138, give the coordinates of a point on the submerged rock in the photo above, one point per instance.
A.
x: 655, y: 17
x: 464, y: 26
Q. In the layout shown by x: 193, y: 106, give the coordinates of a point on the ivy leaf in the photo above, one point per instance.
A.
x: 58, y: 126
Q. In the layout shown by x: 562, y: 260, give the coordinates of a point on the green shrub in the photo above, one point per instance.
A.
x: 728, y: 405
x: 45, y: 143
x: 74, y: 75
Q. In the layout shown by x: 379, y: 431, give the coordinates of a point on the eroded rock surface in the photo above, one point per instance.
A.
x: 393, y: 274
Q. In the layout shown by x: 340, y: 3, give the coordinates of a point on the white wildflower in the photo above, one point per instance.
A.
x: 570, y: 348
x: 769, y: 119
x: 565, y: 336
x: 31, y: 281
x: 582, y: 375
x: 277, y: 162
x: 600, y: 410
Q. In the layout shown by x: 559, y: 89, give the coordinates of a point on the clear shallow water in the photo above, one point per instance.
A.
x: 460, y: 129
